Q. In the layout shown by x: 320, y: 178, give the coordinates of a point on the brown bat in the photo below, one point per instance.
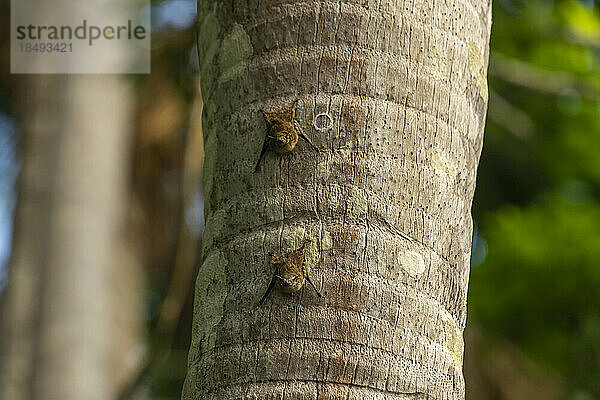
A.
x: 283, y: 132
x: 292, y: 272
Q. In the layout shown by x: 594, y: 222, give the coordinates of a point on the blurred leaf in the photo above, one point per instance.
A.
x: 583, y: 21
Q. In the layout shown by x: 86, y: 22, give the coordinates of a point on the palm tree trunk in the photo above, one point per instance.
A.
x: 394, y: 94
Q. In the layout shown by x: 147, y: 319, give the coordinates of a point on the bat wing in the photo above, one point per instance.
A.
x: 269, y: 290
x: 312, y: 284
x: 262, y: 154
x: 303, y: 136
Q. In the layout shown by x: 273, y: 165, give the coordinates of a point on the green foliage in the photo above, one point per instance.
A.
x: 538, y: 285
x: 538, y: 195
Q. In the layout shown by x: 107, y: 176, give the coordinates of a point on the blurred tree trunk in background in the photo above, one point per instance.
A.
x: 394, y: 95
x: 72, y: 311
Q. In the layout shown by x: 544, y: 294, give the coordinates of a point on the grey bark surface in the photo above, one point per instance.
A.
x: 394, y: 94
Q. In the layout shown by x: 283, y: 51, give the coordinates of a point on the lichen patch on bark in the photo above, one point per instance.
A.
x: 208, y: 46
x: 442, y: 165
x: 210, y: 294
x: 412, y: 262
x: 213, y: 229
x: 346, y: 150
x: 323, y: 170
x: 296, y: 238
x: 356, y: 204
x: 326, y: 242
x: 210, y: 159
x: 236, y: 50
x: 438, y: 65
x: 477, y: 69
x: 453, y: 340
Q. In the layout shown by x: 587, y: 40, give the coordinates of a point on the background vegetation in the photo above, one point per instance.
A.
x: 536, y: 274
x: 534, y: 303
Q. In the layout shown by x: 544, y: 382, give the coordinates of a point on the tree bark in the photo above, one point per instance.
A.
x: 394, y: 94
